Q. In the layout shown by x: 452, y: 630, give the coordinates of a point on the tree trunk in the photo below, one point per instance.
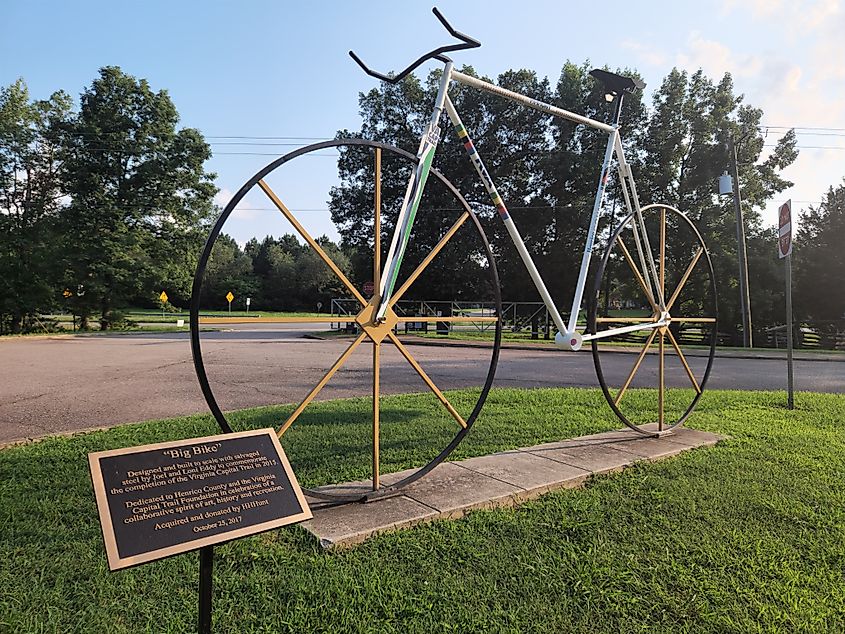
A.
x: 16, y: 324
x: 105, y: 317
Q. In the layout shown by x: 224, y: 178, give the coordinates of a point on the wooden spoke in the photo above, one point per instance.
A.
x: 437, y: 248
x: 695, y: 320
x: 453, y: 319
x: 638, y: 275
x: 636, y: 367
x: 325, y: 319
x: 312, y: 243
x: 625, y: 320
x: 376, y: 407
x: 683, y: 360
x: 661, y: 370
x: 427, y: 379
x: 684, y: 278
x: 337, y: 364
x: 663, y: 251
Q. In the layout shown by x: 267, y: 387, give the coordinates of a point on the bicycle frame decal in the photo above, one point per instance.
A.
x: 413, y: 195
x: 503, y: 213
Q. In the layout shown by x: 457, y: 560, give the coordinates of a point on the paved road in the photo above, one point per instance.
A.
x: 65, y: 383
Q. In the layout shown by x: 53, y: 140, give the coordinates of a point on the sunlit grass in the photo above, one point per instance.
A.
x: 745, y: 536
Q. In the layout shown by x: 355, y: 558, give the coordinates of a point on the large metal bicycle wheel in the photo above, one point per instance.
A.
x: 368, y: 195
x: 653, y: 378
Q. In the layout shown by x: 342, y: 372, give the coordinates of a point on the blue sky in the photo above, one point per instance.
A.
x: 281, y: 69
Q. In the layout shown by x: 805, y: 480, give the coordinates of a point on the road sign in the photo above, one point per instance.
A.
x: 163, y: 297
x: 247, y: 301
x: 67, y: 293
x: 785, y: 229
x: 369, y: 288
x: 229, y: 297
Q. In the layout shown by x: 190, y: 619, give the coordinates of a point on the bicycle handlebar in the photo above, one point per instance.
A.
x: 467, y: 42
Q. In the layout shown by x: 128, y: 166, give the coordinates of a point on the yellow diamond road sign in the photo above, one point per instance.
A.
x: 163, y: 297
x: 230, y: 297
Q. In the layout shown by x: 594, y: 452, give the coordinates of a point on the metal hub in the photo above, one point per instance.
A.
x: 666, y: 317
x: 376, y: 330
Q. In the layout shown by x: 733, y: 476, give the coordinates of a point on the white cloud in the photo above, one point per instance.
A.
x: 716, y: 58
x: 646, y: 54
x: 794, y: 72
x: 244, y: 209
x: 222, y: 197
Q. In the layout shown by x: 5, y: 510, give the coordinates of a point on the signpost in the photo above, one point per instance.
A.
x: 785, y: 252
x: 163, y: 299
x: 67, y: 295
x: 247, y: 304
x: 159, y: 500
x: 229, y: 298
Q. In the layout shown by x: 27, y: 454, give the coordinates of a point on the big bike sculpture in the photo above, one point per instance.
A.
x: 660, y: 289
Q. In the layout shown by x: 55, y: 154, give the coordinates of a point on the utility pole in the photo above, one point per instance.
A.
x: 745, y: 297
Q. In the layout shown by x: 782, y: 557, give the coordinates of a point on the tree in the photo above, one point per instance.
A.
x: 315, y: 281
x: 547, y: 169
x: 30, y: 199
x: 140, y: 198
x: 684, y: 150
x: 229, y: 270
x: 274, y: 267
x: 820, y: 259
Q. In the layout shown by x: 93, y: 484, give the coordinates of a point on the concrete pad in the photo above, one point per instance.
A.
x: 531, y: 473
x: 353, y: 523
x: 650, y: 448
x: 452, y: 490
x: 595, y: 458
x: 501, y: 479
x: 693, y: 437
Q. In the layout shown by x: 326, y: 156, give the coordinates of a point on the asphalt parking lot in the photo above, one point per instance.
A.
x: 66, y: 383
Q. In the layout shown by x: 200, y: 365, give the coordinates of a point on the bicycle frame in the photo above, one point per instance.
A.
x: 567, y: 336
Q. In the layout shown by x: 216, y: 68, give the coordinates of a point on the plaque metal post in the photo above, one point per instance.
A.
x: 206, y: 566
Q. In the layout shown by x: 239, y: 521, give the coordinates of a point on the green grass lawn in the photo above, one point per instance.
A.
x: 746, y: 536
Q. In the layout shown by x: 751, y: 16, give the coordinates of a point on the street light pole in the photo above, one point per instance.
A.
x: 744, y: 295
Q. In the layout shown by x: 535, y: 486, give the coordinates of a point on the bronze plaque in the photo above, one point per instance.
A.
x: 168, y: 498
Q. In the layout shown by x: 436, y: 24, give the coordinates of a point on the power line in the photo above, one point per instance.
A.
x: 798, y: 127
x: 811, y: 147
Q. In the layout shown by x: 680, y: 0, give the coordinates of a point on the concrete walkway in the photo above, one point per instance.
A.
x: 501, y: 479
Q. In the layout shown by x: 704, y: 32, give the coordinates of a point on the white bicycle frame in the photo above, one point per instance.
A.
x: 567, y: 336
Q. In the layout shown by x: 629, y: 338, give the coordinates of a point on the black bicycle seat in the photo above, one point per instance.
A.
x: 616, y: 84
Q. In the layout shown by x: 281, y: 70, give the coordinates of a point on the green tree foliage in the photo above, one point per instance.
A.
x: 228, y: 270
x: 683, y: 151
x: 30, y: 198
x: 277, y: 274
x: 140, y: 198
x: 395, y: 114
x: 820, y: 259
x: 547, y: 171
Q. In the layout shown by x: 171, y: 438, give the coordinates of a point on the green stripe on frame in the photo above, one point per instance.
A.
x: 415, y: 203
